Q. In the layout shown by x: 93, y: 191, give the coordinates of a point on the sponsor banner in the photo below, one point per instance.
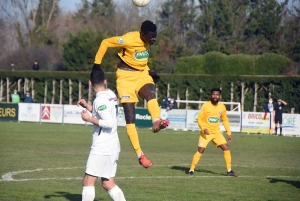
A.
x: 29, y: 112
x: 235, y: 121
x: 121, y: 117
x: 9, y: 111
x: 290, y: 124
x: 51, y: 113
x: 191, y: 120
x: 176, y: 117
x: 142, y: 118
x: 72, y: 114
x: 233, y: 117
x: 254, y: 122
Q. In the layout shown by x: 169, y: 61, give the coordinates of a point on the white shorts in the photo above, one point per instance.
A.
x: 102, y: 165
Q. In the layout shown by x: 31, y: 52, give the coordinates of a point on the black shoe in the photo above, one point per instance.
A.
x: 190, y: 172
x: 231, y: 173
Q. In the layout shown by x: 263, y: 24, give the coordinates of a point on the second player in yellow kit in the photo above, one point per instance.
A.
x: 134, y: 78
x: 209, y: 123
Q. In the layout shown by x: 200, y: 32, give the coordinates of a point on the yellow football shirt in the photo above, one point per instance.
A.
x: 133, y: 51
x: 209, y: 118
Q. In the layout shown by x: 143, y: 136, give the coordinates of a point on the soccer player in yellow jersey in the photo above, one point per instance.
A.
x: 209, y: 123
x: 134, y: 77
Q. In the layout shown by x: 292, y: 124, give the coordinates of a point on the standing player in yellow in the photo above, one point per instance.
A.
x: 134, y: 77
x: 209, y: 123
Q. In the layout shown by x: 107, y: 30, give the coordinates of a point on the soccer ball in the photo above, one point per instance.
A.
x: 140, y: 3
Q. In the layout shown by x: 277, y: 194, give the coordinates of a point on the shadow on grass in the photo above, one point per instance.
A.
x: 186, y: 170
x: 68, y: 196
x: 293, y: 183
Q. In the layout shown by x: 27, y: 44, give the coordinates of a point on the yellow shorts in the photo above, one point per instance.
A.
x: 130, y: 82
x: 217, y: 139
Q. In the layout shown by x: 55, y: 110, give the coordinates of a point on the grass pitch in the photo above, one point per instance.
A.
x: 47, y: 162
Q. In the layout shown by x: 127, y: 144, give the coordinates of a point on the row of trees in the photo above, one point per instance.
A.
x: 40, y: 29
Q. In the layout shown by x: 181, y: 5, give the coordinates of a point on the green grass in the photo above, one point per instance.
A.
x: 54, y: 156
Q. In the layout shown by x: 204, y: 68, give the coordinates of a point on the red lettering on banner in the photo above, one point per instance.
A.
x: 254, y: 116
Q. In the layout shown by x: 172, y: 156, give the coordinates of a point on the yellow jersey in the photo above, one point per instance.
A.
x: 133, y: 51
x: 209, y: 118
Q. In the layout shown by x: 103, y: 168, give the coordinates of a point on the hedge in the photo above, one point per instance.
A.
x: 217, y: 63
x: 285, y: 87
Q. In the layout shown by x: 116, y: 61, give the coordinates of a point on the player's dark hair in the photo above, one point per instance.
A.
x: 148, y: 26
x: 97, y: 76
x: 215, y: 89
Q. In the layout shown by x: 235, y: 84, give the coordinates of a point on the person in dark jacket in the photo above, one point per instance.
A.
x: 28, y: 98
x: 35, y: 66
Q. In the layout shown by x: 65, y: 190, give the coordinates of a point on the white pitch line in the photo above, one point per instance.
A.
x: 9, y: 176
x: 152, y: 177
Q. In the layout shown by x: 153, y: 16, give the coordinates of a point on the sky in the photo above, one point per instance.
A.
x: 71, y: 5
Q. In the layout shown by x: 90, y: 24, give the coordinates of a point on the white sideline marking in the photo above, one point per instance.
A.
x: 9, y: 176
x: 153, y: 177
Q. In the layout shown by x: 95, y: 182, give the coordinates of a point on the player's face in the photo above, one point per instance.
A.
x: 149, y: 37
x: 215, y: 97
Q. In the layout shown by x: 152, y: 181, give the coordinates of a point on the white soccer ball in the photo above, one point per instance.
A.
x: 140, y: 3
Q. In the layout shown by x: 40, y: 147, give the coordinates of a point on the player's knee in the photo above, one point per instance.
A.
x: 224, y: 147
x: 130, y: 117
x: 201, y: 150
x: 107, y: 185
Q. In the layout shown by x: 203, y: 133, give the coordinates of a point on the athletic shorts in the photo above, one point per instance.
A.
x: 102, y: 165
x: 217, y: 139
x: 278, y: 120
x: 130, y: 82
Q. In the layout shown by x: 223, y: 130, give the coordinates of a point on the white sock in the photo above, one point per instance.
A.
x: 88, y: 193
x: 228, y: 170
x: 116, y: 194
x: 140, y: 154
x: 156, y: 119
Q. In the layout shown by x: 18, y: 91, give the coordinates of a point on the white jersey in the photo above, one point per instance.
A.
x: 105, y: 136
x: 113, y: 96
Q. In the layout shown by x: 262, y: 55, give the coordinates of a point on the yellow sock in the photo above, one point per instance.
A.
x: 134, y: 138
x: 227, y: 157
x: 153, y: 109
x: 195, y: 161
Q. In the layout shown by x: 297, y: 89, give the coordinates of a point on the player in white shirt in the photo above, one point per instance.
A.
x: 105, y: 149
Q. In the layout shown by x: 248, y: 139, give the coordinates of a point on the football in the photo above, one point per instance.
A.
x: 140, y: 3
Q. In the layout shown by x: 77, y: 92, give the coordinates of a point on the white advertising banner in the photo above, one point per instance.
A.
x: 233, y: 117
x: 29, y: 112
x: 51, y: 113
x: 255, y: 122
x: 290, y: 124
x: 72, y: 114
x: 235, y: 121
x: 176, y: 117
x: 191, y: 120
x: 121, y: 117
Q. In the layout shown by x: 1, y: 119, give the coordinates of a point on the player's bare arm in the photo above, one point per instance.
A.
x: 84, y: 104
x: 229, y: 138
x: 206, y: 131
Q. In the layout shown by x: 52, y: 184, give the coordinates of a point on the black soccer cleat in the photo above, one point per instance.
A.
x: 190, y: 172
x: 231, y: 173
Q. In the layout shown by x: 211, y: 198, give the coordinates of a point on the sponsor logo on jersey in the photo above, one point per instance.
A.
x: 220, y: 112
x: 120, y: 41
x: 141, y: 55
x: 213, y: 120
x: 102, y: 107
x: 125, y: 97
x: 143, y: 117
